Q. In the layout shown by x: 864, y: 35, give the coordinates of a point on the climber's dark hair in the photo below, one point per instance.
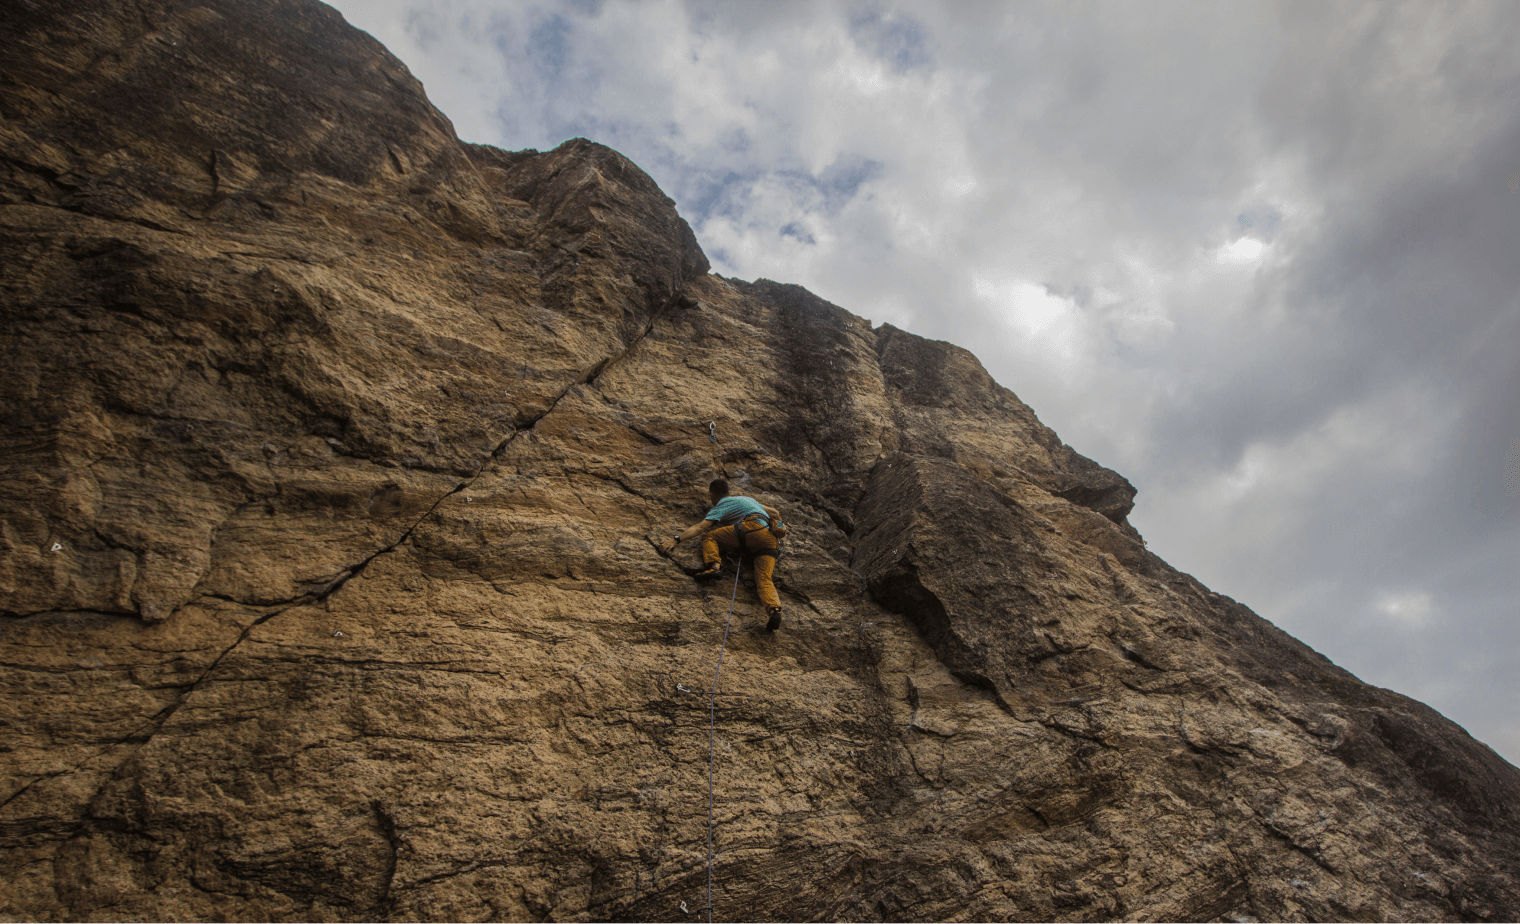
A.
x: 718, y: 488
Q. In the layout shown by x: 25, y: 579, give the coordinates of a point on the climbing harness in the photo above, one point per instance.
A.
x: 743, y: 528
x: 712, y: 733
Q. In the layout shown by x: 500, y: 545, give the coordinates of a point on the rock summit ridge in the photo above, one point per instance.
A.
x: 333, y: 459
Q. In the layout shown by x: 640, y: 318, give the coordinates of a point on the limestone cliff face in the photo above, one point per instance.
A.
x: 334, y: 454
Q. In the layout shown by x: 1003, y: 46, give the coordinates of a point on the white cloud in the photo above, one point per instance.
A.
x: 1045, y: 327
x: 1242, y: 250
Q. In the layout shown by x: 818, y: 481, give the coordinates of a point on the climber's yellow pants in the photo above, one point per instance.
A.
x: 725, y: 538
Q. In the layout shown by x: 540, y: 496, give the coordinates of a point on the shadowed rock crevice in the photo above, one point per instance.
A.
x: 924, y: 524
x: 810, y: 338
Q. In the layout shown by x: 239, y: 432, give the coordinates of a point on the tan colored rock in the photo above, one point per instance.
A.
x: 334, y: 458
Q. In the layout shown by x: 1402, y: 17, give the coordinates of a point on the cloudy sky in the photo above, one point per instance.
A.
x: 1262, y: 259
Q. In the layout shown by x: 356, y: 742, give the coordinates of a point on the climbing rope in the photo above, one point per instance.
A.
x: 712, y: 731
x: 713, y: 694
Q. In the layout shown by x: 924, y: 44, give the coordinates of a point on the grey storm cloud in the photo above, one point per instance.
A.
x: 1259, y: 257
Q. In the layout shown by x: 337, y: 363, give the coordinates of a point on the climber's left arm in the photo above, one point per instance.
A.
x: 691, y: 532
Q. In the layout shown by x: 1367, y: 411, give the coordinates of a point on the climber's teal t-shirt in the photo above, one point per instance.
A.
x: 731, y: 510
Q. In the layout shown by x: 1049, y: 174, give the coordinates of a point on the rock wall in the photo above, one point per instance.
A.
x: 333, y: 458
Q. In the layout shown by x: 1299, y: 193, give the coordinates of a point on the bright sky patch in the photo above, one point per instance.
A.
x: 1243, y: 250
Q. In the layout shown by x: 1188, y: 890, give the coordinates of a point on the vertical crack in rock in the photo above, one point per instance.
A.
x: 918, y: 519
x: 384, y: 908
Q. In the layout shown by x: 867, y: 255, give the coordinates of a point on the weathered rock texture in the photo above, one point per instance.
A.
x: 333, y: 458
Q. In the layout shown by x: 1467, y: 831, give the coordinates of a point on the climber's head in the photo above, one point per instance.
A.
x: 717, y: 489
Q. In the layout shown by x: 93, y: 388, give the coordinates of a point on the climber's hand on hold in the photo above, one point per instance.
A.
x: 693, y: 531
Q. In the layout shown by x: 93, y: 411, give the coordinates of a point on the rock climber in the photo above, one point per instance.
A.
x: 742, y: 524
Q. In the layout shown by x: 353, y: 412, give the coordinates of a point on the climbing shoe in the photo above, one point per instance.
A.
x: 775, y: 620
x: 711, y: 572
